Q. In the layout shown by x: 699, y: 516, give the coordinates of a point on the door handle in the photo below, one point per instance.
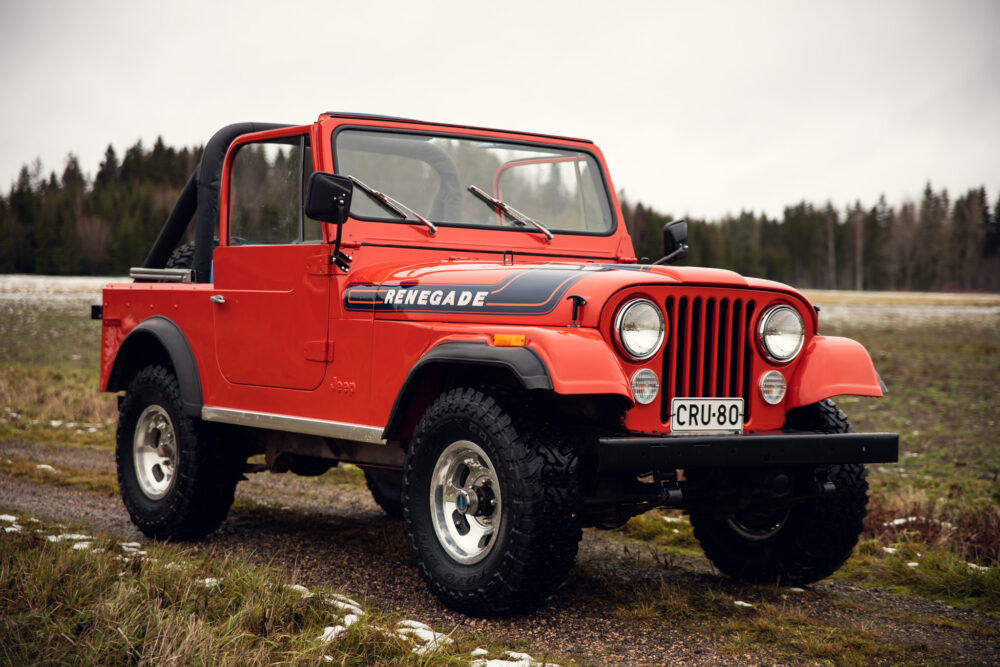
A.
x: 217, y: 298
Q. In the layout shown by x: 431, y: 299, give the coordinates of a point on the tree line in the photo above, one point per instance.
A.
x: 72, y: 225
x: 935, y: 244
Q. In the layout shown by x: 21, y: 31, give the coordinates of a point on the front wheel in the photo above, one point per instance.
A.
x: 796, y: 545
x: 491, y: 503
x: 176, y: 481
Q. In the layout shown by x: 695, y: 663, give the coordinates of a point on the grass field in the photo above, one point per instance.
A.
x: 933, y: 529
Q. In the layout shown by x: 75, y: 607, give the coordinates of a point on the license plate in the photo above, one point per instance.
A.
x: 706, y: 415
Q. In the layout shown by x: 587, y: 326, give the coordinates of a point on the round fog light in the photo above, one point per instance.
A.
x: 772, y: 387
x: 645, y: 386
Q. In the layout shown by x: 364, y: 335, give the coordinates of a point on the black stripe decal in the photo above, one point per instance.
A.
x: 529, y: 292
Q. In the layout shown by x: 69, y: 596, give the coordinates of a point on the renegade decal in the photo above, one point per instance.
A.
x: 530, y: 292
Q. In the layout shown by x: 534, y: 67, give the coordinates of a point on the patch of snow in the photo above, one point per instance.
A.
x: 432, y: 640
x: 211, y: 582
x: 133, y: 551
x: 918, y: 519
x: 331, y: 633
x: 978, y: 568
x: 674, y: 519
x: 510, y: 659
x: 889, y: 550
x: 55, y: 423
x: 72, y: 537
x: 478, y: 652
x: 912, y: 563
x: 301, y: 589
x: 46, y: 467
x: 82, y: 545
x: 345, y: 603
x: 796, y: 589
x: 8, y: 518
x: 741, y: 603
x: 12, y: 529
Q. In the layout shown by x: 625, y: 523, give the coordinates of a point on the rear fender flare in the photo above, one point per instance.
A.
x: 145, y: 343
x: 832, y: 366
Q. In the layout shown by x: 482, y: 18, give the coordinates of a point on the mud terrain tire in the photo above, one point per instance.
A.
x: 182, y: 257
x: 176, y: 481
x: 813, y: 538
x: 530, y: 494
x: 387, y: 490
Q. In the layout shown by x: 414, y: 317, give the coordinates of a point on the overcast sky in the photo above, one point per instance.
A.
x: 701, y: 109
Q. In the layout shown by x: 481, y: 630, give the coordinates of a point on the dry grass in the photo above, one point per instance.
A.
x: 97, y: 606
x: 842, y: 297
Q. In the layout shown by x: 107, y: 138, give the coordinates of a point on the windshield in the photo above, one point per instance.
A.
x: 560, y: 189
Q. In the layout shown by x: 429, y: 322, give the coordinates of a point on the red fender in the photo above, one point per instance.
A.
x: 579, y: 361
x: 832, y: 366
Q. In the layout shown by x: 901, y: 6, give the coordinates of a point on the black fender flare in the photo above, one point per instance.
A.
x: 522, y: 362
x: 171, y: 339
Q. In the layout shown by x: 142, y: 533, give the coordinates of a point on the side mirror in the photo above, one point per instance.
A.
x: 329, y: 197
x: 675, y: 246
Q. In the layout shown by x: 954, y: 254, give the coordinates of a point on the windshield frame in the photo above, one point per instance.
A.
x: 604, y: 189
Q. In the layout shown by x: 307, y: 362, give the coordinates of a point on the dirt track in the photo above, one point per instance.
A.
x: 334, y: 534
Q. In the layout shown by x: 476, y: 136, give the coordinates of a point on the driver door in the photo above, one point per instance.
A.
x: 272, y: 296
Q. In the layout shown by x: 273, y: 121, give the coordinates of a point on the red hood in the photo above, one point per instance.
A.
x: 499, y: 292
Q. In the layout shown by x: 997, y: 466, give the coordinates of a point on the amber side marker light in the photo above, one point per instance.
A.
x: 508, y: 340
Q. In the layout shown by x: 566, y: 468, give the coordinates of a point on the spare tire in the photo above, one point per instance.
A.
x: 182, y: 257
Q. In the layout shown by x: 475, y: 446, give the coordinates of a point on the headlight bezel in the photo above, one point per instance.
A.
x: 619, y: 337
x: 762, y: 344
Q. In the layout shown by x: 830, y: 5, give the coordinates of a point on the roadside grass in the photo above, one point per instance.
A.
x: 742, y: 619
x: 100, y: 481
x: 911, y: 566
x: 108, y: 603
x: 55, y: 404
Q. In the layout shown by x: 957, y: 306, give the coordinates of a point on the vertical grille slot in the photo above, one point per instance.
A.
x: 709, y: 351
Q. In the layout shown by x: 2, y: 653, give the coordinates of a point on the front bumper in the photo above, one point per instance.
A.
x: 642, y: 454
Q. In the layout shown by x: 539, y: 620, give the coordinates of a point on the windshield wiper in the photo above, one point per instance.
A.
x: 510, y: 211
x: 397, y: 207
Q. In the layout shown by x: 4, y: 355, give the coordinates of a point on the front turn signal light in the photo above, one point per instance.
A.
x: 508, y: 340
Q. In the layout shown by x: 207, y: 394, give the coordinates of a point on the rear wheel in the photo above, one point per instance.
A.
x: 491, y: 503
x: 387, y: 490
x: 800, y: 544
x: 176, y: 481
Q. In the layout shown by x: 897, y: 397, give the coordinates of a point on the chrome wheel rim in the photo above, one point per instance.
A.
x: 466, y: 504
x: 757, y: 526
x: 154, y: 450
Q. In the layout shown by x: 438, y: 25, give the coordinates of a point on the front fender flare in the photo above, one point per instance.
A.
x: 575, y: 361
x: 832, y: 366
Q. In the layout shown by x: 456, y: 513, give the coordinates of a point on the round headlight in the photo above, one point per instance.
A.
x: 781, y: 333
x: 639, y: 328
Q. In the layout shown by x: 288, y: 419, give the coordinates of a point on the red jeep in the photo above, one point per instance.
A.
x: 459, y: 312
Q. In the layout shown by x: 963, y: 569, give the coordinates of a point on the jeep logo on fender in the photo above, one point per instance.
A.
x: 530, y: 292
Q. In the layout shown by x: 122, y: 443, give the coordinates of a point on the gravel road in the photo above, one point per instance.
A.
x: 334, y: 534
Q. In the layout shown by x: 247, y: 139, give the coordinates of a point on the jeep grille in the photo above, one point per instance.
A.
x: 708, y: 353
